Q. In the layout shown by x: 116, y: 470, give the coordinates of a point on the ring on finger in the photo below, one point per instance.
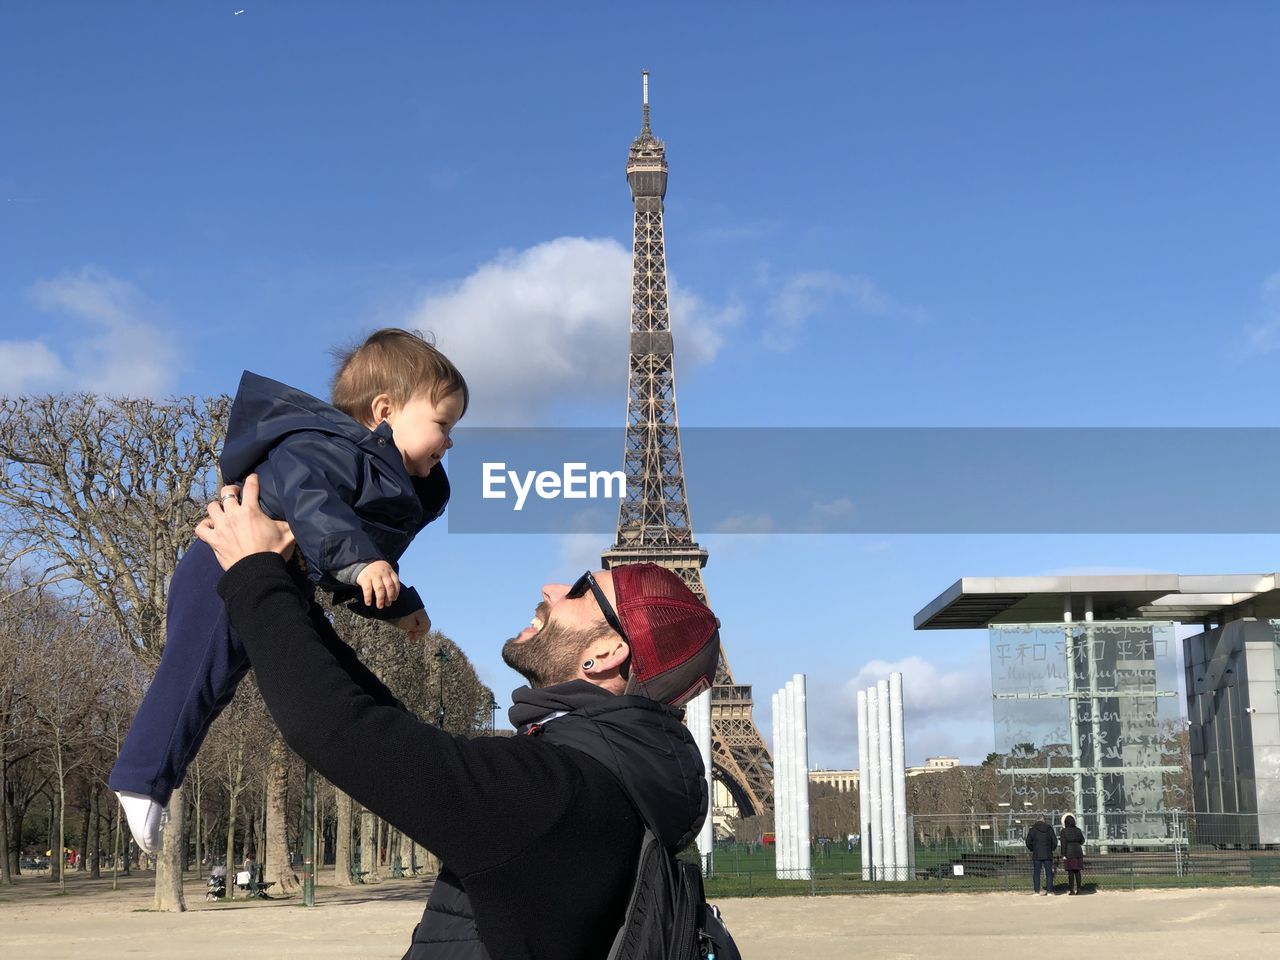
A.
x: 228, y: 496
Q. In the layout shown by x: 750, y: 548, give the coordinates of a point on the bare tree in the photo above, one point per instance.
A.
x: 342, y: 839
x: 66, y: 702
x: 279, y: 869
x: 107, y: 492
x: 832, y: 813
x: 17, y: 732
x: 369, y: 847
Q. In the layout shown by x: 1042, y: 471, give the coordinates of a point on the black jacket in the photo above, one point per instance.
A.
x: 1072, y: 842
x: 1041, y: 841
x: 539, y: 840
x: 343, y: 488
x: 648, y: 752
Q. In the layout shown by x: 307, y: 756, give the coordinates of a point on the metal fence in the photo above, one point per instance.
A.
x: 987, y: 852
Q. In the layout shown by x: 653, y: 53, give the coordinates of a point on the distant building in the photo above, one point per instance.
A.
x: 934, y: 765
x: 845, y: 781
x: 1233, y: 674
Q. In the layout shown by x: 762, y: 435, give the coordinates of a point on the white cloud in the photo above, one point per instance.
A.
x: 748, y: 523
x: 28, y: 366
x: 114, y: 348
x: 550, y: 324
x: 947, y: 709
x: 806, y: 295
x: 1263, y: 336
x: 831, y: 515
x: 929, y: 690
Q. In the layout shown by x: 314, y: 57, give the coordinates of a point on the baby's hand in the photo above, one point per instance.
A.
x: 380, y: 584
x: 415, y: 624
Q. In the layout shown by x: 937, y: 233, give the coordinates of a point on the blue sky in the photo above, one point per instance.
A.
x: 922, y: 214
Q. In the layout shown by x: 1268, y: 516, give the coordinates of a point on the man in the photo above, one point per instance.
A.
x: 538, y: 838
x: 1041, y: 842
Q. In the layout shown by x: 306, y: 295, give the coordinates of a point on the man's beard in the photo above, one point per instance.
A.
x: 549, y: 657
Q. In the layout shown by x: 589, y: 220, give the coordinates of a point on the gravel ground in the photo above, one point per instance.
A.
x: 375, y: 921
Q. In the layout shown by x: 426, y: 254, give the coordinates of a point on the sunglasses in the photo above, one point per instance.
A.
x: 588, y: 582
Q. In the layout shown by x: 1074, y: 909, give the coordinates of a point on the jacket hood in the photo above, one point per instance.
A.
x: 1041, y: 828
x: 640, y: 741
x: 265, y: 411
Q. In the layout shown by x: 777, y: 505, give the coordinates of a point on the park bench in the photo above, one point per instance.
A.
x: 251, y: 882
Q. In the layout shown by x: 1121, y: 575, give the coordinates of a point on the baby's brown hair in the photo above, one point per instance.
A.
x: 400, y: 363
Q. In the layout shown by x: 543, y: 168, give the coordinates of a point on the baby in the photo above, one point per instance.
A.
x: 356, y: 481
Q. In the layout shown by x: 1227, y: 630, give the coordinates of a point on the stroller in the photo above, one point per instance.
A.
x: 216, y: 888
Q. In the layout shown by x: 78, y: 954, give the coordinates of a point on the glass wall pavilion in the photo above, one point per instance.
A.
x: 1085, y: 693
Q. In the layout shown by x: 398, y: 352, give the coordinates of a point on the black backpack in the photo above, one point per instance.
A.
x: 668, y: 917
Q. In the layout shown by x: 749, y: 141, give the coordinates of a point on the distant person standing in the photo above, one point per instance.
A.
x: 1072, y: 853
x: 1041, y: 842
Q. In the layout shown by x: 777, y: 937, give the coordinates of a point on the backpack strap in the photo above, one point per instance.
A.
x: 629, y: 934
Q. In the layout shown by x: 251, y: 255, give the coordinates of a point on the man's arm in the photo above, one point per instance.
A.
x: 475, y: 803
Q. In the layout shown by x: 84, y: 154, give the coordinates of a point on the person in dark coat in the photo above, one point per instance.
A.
x: 356, y: 481
x: 1041, y: 842
x: 1072, y: 853
x: 539, y: 834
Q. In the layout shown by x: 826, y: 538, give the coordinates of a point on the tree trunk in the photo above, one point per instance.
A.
x: 369, y: 846
x: 279, y: 869
x: 231, y: 841
x: 61, y: 848
x: 259, y: 851
x: 117, y: 851
x: 85, y: 814
x: 55, y: 853
x: 406, y: 855
x: 6, y: 848
x: 321, y: 823
x: 197, y: 830
x: 171, y: 858
x: 342, y: 839
x: 123, y: 836
x: 95, y: 836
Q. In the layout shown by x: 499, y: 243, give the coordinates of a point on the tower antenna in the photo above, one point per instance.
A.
x: 646, y: 101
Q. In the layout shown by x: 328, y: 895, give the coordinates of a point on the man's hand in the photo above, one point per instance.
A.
x: 415, y: 624
x: 380, y: 584
x: 236, y: 526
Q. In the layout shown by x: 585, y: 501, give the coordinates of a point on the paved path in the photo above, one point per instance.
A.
x: 375, y: 921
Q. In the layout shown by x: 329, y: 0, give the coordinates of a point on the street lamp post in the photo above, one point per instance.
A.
x: 493, y: 711
x: 442, y: 657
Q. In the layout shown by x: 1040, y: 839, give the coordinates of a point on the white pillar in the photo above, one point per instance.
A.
x: 698, y: 717
x: 876, y: 847
x: 803, y: 830
x: 864, y: 809
x: 779, y: 784
x: 886, y: 781
x: 789, y: 709
x: 900, y: 834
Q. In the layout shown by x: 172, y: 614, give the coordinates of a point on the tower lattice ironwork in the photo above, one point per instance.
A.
x: 653, y: 520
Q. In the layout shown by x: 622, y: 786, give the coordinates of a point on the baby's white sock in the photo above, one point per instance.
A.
x: 146, y: 819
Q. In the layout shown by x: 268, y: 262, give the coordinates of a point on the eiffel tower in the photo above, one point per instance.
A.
x: 653, y: 520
